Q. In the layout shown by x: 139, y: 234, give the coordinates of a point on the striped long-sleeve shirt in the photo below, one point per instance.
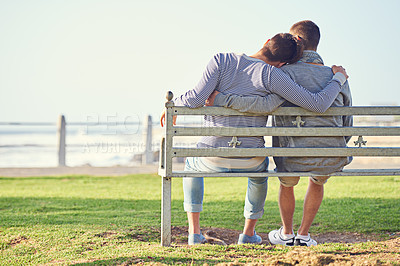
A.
x: 244, y: 75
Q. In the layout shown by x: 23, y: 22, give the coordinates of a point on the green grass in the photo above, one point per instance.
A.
x: 116, y: 220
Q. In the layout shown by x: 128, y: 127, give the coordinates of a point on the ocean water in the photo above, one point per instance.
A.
x: 95, y: 145
x: 108, y: 145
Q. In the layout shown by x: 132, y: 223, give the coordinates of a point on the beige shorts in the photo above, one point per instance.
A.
x: 292, y: 181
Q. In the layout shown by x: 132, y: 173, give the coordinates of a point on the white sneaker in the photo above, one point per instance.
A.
x: 304, y: 241
x: 276, y: 237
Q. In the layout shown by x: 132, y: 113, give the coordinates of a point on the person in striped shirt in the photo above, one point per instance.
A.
x: 244, y: 75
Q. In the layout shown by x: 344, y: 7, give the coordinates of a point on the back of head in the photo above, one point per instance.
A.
x: 283, y: 47
x: 308, y: 32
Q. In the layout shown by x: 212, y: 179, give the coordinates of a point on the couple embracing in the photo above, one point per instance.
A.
x: 287, y: 71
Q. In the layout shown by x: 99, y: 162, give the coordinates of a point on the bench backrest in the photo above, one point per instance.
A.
x: 168, y: 152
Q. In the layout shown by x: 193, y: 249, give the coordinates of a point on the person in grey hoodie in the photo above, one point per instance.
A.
x: 311, y: 73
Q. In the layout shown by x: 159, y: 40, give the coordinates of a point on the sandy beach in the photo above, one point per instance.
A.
x: 81, y: 170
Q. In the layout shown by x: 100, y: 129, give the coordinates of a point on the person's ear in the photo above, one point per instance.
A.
x: 281, y: 64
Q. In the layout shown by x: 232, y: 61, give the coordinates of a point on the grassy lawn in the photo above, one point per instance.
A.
x: 115, y: 220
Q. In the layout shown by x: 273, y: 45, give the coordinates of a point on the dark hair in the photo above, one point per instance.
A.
x: 309, y: 33
x: 283, y: 47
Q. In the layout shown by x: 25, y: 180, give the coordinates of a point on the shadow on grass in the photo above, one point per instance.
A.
x: 345, y: 214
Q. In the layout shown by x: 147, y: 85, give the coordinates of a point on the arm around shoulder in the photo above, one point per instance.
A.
x: 250, y: 104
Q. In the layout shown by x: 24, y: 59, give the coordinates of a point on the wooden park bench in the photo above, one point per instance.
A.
x: 168, y: 151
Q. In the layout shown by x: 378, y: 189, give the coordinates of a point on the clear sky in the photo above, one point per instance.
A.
x: 85, y: 58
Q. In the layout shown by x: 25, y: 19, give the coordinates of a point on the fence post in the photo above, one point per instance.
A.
x: 148, y: 139
x: 61, y: 140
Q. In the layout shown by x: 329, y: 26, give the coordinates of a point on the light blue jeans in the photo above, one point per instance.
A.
x: 193, y: 187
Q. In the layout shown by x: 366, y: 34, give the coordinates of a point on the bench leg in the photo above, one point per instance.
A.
x: 166, y: 212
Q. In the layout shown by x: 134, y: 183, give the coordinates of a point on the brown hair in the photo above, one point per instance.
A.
x: 283, y: 47
x: 309, y: 32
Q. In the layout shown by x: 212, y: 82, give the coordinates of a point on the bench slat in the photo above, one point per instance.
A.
x: 353, y: 172
x: 284, y: 152
x: 294, y: 111
x: 286, y: 131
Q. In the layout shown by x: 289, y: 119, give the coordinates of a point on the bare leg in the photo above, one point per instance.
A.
x: 312, y: 202
x: 249, y: 226
x: 194, y: 222
x: 286, y: 207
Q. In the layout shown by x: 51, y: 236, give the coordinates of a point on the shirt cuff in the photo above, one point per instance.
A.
x: 339, y: 77
x: 219, y: 100
x: 177, y: 102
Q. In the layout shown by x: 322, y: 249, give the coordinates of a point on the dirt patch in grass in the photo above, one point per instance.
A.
x: 376, y: 251
x: 354, y: 249
x: 16, y: 241
x: 383, y: 253
x: 229, y: 236
x: 107, y: 234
